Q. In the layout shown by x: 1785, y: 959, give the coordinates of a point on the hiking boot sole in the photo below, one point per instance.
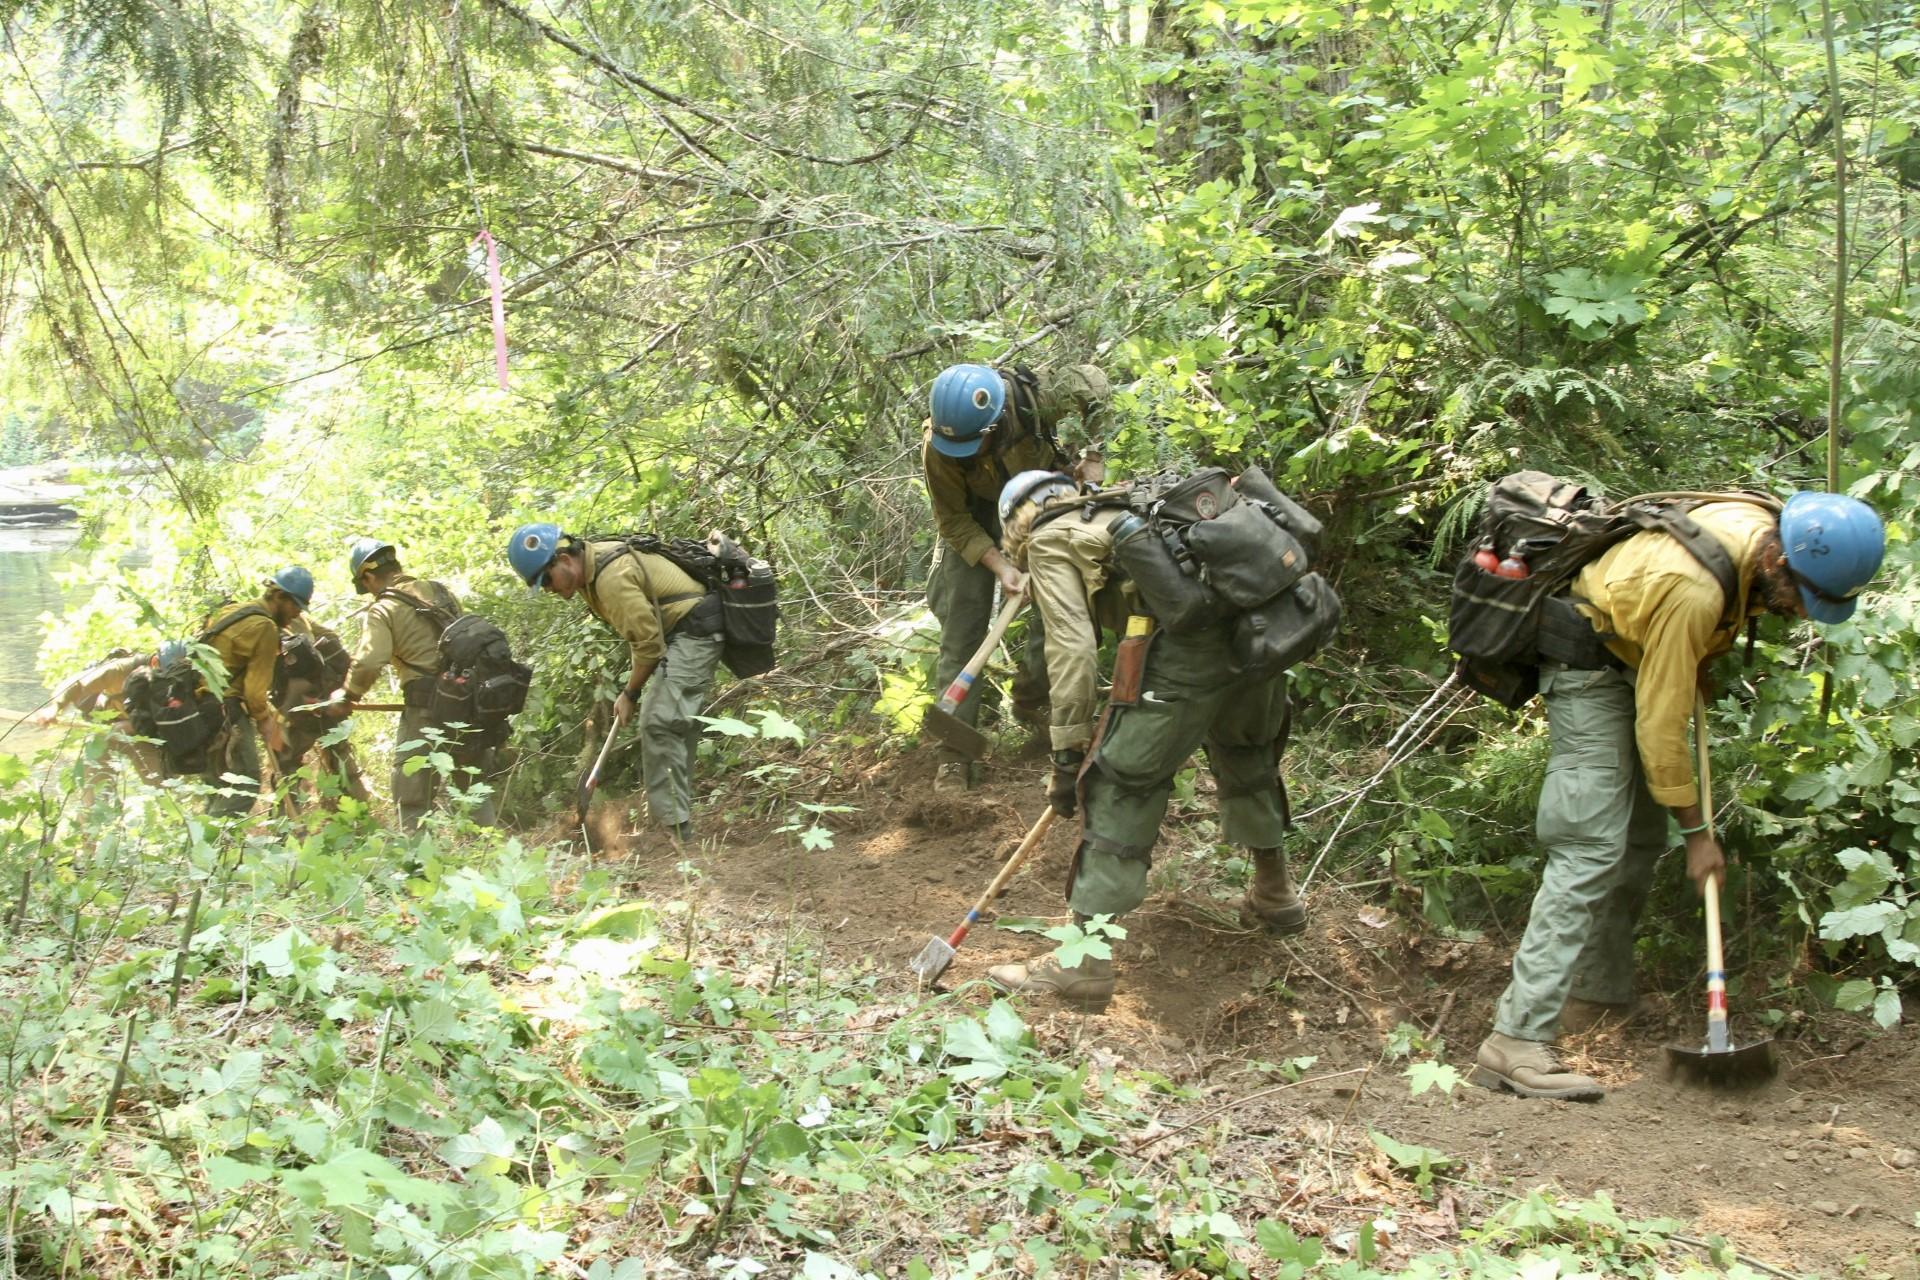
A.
x: 1488, y: 1078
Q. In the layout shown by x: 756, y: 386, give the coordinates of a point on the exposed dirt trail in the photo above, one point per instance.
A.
x: 1809, y: 1173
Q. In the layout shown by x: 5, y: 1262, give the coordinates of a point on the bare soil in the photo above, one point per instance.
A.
x: 1811, y: 1172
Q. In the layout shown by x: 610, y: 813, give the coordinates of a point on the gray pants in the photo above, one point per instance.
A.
x: 1603, y: 833
x: 961, y: 596
x: 669, y: 734
x: 413, y: 793
x: 238, y: 753
x: 1189, y: 700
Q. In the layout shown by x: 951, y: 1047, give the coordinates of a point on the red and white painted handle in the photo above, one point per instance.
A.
x: 963, y: 683
x: 1007, y: 873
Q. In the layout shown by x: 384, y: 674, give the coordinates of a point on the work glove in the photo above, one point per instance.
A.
x: 1063, y: 787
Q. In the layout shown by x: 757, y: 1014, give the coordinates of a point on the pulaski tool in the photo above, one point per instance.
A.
x: 939, y: 952
x: 940, y: 721
x: 1719, y: 1061
x: 588, y: 782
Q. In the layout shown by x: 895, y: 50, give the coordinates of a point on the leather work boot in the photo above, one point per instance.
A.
x: 952, y: 778
x: 1270, y: 901
x: 1579, y: 1016
x: 1530, y: 1069
x: 1034, y: 715
x: 1088, y: 987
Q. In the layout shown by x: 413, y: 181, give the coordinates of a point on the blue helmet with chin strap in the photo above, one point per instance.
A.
x: 296, y: 582
x: 531, y: 549
x: 365, y: 550
x: 170, y: 652
x: 1833, y: 545
x: 966, y: 400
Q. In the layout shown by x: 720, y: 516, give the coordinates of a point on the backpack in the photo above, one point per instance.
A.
x: 1501, y: 627
x: 1206, y: 550
x: 480, y: 683
x: 747, y: 588
x: 318, y: 659
x: 172, y: 703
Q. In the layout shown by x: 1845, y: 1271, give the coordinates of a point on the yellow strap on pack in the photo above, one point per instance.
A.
x: 1139, y: 624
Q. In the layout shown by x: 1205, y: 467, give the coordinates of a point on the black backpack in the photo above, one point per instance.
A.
x: 173, y: 705
x: 747, y: 587
x: 319, y: 659
x: 1205, y: 550
x: 1501, y: 627
x: 480, y: 683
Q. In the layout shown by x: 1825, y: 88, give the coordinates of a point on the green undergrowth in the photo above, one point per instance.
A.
x: 306, y: 1048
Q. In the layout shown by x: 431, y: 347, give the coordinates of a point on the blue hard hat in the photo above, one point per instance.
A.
x: 531, y: 549
x: 966, y: 400
x: 1032, y: 486
x: 296, y: 582
x: 1833, y: 545
x: 364, y: 549
x: 170, y: 652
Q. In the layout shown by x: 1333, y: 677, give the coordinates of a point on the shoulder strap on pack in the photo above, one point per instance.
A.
x: 637, y: 544
x: 438, y: 617
x: 1671, y: 518
x: 1086, y: 506
x: 1023, y: 409
x: 247, y: 611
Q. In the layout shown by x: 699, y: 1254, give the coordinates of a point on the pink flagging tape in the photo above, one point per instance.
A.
x: 499, y: 306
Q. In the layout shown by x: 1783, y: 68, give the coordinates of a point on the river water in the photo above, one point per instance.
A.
x: 29, y: 561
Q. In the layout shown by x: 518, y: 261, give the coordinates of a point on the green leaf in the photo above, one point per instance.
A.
x: 1886, y: 1006
x: 1422, y: 1076
x: 816, y: 838
x: 1853, y: 996
x: 433, y: 1020
x: 1856, y: 922
x: 729, y: 726
x: 1353, y: 219
x: 775, y: 725
x: 624, y: 920
x: 785, y: 1141
x: 485, y: 1147
x: 225, y: 1173
x: 1406, y: 1155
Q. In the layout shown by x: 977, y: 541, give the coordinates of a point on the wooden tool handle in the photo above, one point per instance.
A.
x: 1007, y: 873
x: 593, y: 778
x: 957, y: 691
x: 1717, y: 1041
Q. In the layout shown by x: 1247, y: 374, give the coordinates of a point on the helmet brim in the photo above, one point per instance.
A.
x: 956, y: 448
x: 1828, y: 611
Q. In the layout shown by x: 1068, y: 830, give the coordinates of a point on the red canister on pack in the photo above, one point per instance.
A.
x: 1486, y: 558
x: 1514, y: 566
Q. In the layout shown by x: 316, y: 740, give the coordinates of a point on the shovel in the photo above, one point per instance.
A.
x: 1719, y: 1061
x: 940, y: 721
x: 939, y: 952
x: 592, y: 780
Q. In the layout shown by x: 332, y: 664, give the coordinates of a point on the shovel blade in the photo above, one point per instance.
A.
x: 945, y: 728
x: 932, y: 960
x: 1741, y: 1065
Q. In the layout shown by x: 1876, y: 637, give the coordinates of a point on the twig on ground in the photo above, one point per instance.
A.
x: 1225, y: 1107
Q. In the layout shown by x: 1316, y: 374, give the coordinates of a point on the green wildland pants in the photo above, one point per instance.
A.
x: 1188, y: 699
x: 413, y: 793
x: 238, y: 753
x: 669, y: 734
x: 961, y: 596
x: 1602, y: 832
